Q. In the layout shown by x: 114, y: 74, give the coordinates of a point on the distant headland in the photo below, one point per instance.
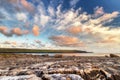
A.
x: 19, y: 50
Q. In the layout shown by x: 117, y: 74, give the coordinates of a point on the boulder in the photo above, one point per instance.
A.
x: 46, y: 77
x: 58, y: 56
x: 113, y: 55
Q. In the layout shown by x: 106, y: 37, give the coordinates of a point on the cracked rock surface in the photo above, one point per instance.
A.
x: 36, y: 67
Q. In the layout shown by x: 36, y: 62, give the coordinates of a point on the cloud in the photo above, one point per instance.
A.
x: 21, y: 17
x: 38, y: 41
x: 51, y: 11
x: 12, y: 1
x: 25, y: 32
x: 4, y: 15
x: 9, y: 44
x: 17, y: 31
x: 14, y: 31
x: 107, y: 17
x: 44, y: 19
x: 98, y: 11
x: 4, y: 31
x: 110, y: 40
x: 40, y: 44
x: 92, y: 29
x: 27, y: 5
x: 75, y: 30
x: 36, y: 30
x: 107, y: 41
x: 90, y: 26
x: 6, y: 42
x: 41, y: 16
x: 68, y: 41
x: 73, y: 2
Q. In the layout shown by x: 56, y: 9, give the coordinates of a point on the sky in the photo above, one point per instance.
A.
x: 91, y: 25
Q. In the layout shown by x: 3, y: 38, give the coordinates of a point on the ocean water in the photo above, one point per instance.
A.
x: 73, y: 54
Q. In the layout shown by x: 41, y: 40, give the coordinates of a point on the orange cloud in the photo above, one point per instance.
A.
x: 27, y: 5
x: 3, y: 29
x: 66, y: 41
x: 36, y: 30
x: 75, y: 30
x: 17, y: 31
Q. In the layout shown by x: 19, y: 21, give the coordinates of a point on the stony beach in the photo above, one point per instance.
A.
x: 58, y: 67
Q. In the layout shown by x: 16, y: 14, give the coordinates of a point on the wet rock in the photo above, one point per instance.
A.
x: 11, y: 68
x: 58, y: 56
x: 113, y: 55
x: 46, y: 77
x: 26, y: 77
x: 106, y: 56
x: 3, y: 72
x: 39, y: 73
x: 34, y: 77
x: 64, y: 68
x: 25, y: 73
x: 115, y: 77
x: 75, y: 77
x: 22, y: 73
x: 45, y: 55
x: 66, y: 77
x: 62, y: 78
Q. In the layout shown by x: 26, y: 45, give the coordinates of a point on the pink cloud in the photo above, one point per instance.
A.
x: 3, y: 29
x: 17, y: 31
x: 36, y: 30
x: 99, y: 11
x: 27, y: 5
x: 66, y: 41
x: 75, y: 30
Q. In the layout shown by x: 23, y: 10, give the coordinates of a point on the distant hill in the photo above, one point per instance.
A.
x: 19, y: 50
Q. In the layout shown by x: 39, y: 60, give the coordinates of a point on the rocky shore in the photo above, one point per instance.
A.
x: 58, y: 67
